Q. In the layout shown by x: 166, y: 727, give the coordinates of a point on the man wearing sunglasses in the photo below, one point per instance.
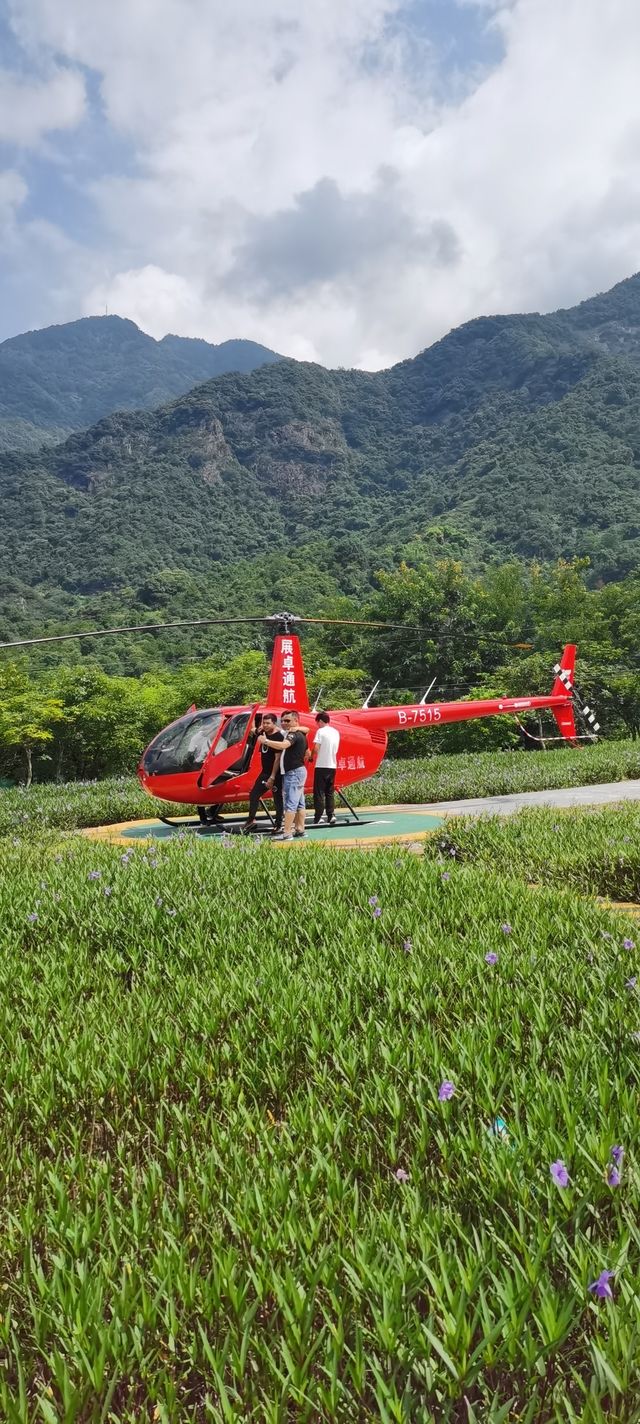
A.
x: 294, y: 773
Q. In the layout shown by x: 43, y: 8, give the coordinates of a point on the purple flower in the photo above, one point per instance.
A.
x: 605, y: 934
x: 401, y: 1175
x: 32, y: 918
x: 628, y: 944
x: 171, y: 912
x: 373, y: 899
x: 601, y: 1287
x: 446, y: 1090
x: 377, y: 913
x: 630, y: 983
x: 407, y: 946
x: 452, y: 851
x: 617, y: 1154
x: 445, y: 875
x: 613, y: 1177
x: 158, y: 902
x: 506, y: 928
x: 559, y: 1173
x: 108, y: 890
x: 94, y: 875
x: 491, y: 957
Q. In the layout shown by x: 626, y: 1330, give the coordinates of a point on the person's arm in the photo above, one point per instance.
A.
x: 275, y: 770
x: 278, y: 746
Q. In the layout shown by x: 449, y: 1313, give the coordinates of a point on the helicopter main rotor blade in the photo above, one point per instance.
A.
x: 257, y: 618
x: 130, y: 628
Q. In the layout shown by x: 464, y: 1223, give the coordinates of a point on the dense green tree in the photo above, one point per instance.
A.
x: 28, y: 717
x: 472, y: 636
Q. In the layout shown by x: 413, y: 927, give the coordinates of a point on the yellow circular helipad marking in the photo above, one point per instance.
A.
x: 380, y: 826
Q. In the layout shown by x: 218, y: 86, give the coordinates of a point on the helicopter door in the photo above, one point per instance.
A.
x: 231, y: 754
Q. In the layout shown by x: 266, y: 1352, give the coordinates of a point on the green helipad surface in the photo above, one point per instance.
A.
x: 376, y: 824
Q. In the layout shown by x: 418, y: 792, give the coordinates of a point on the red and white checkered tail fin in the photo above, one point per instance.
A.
x: 564, y: 671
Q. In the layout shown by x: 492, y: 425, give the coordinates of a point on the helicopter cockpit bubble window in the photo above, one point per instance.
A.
x: 233, y: 732
x: 183, y: 746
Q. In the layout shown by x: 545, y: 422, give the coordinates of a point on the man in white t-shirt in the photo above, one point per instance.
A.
x: 325, y: 746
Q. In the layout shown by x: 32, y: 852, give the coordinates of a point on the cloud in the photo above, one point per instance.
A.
x: 13, y: 191
x: 328, y: 236
x: 301, y: 174
x: 150, y: 296
x: 30, y: 108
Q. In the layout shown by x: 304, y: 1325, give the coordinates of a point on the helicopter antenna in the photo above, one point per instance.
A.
x: 315, y: 705
x: 368, y: 699
x: 423, y: 699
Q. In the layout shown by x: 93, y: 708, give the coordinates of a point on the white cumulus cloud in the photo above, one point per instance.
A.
x: 13, y: 191
x: 294, y: 174
x: 30, y: 108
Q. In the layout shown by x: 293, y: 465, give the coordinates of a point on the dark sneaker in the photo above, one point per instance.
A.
x: 299, y: 835
x: 249, y: 826
x: 332, y: 822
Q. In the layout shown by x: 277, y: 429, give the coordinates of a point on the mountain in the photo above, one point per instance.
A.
x: 65, y: 378
x: 514, y: 436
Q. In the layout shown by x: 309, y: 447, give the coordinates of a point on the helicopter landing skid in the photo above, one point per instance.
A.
x: 189, y: 825
x: 236, y: 826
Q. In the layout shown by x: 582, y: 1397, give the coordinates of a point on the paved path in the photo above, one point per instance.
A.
x: 519, y: 800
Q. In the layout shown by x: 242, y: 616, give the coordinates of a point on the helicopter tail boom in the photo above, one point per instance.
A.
x: 405, y: 718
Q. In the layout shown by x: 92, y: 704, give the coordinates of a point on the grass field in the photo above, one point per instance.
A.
x: 234, y: 1185
x: 451, y: 778
x: 595, y: 851
x: 442, y: 778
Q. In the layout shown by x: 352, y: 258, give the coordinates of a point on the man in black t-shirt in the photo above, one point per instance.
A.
x: 269, y: 777
x: 294, y: 771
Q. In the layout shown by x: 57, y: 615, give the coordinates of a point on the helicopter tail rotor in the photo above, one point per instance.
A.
x: 565, y: 716
x: 563, y: 685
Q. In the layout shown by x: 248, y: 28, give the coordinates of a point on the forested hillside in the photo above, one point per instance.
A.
x: 513, y: 437
x: 65, y: 716
x: 64, y: 378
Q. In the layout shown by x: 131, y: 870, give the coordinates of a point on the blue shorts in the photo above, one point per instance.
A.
x: 293, y: 788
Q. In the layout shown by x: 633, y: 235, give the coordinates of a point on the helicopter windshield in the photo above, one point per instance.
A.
x: 183, y: 746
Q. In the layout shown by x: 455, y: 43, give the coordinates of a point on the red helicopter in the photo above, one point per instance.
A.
x: 209, y: 758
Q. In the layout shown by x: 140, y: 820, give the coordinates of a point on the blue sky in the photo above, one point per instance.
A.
x: 343, y: 183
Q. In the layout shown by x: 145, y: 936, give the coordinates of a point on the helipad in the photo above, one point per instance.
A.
x: 375, y: 825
